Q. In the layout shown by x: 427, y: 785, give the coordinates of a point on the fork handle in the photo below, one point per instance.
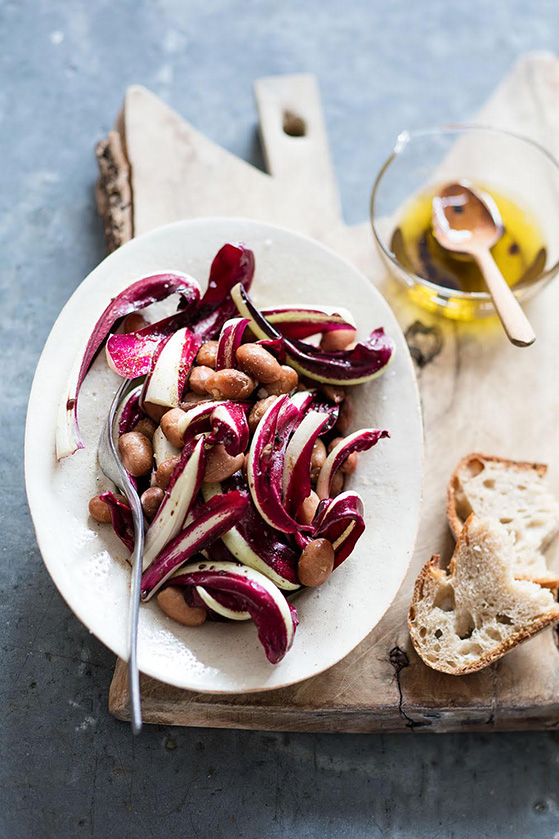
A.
x: 133, y: 616
x: 515, y: 323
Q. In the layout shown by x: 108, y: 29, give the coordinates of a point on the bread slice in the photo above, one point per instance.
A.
x: 463, y: 619
x: 515, y: 493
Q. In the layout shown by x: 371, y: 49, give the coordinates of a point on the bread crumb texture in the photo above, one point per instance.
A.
x: 462, y: 619
x: 517, y: 496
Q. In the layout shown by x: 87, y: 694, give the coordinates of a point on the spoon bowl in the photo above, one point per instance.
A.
x: 466, y: 220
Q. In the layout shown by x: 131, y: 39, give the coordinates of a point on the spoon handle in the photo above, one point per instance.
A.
x: 515, y: 323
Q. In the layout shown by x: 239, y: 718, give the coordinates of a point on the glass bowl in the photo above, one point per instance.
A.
x: 513, y: 165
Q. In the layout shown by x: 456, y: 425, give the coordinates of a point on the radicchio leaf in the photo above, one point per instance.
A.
x: 366, y: 361
x: 217, y: 516
x: 131, y: 354
x: 229, y: 428
x: 265, y: 463
x: 229, y: 342
x: 340, y: 520
x: 253, y: 542
x: 303, y: 321
x: 171, y: 365
x: 178, y: 500
x: 233, y: 264
x: 121, y: 518
x: 359, y: 441
x: 136, y: 296
x: 130, y: 413
x: 275, y: 619
x: 297, y: 461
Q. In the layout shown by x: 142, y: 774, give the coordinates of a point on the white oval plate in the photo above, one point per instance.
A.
x: 86, y: 560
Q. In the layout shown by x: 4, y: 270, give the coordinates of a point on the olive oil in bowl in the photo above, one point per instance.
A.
x: 522, y: 178
x: 520, y: 252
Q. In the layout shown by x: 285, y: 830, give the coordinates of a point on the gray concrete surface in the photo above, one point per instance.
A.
x: 67, y: 769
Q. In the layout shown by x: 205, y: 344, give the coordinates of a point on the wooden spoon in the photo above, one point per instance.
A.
x: 468, y: 221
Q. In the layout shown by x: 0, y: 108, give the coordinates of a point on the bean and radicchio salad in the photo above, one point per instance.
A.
x: 238, y: 437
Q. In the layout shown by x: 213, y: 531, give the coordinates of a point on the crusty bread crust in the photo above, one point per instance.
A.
x: 433, y: 575
x: 456, y: 523
x: 551, y: 582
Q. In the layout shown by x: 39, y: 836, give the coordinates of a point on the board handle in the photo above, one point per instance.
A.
x: 295, y: 143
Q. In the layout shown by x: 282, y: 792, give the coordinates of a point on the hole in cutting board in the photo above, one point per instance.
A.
x: 294, y: 125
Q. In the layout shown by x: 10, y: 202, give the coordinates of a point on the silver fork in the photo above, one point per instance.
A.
x: 111, y: 466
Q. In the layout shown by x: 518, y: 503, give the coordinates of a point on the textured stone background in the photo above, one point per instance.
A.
x: 66, y: 768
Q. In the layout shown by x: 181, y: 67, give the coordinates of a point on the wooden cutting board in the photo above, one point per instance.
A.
x: 478, y: 393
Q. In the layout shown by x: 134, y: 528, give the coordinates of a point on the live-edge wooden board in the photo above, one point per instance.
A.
x: 478, y: 392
